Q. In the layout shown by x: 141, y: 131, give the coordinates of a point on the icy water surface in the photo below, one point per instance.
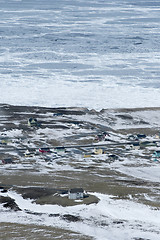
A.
x: 94, y: 53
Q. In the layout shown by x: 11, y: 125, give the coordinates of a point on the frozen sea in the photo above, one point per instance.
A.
x: 91, y: 53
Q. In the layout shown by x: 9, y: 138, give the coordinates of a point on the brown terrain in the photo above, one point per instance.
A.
x: 46, y: 177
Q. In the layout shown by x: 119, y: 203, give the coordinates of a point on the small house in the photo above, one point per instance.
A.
x: 132, y: 137
x: 156, y: 154
x: 57, y: 114
x: 140, y: 136
x: 101, y: 137
x: 32, y: 122
x: 5, y: 141
x: 76, y: 193
x: 44, y: 150
x: 157, y: 136
x: 136, y: 145
x: 60, y: 150
x: 98, y: 151
x: 87, y: 155
x: 7, y: 161
x: 28, y: 154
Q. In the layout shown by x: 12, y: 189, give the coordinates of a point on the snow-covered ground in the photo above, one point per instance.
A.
x: 110, y: 219
x: 127, y: 187
x: 84, y: 53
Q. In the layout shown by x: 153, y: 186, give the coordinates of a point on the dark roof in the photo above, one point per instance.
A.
x: 60, y: 148
x: 141, y: 135
x: 32, y: 119
x: 76, y: 190
x: 7, y: 160
x: 136, y: 144
x: 45, y: 148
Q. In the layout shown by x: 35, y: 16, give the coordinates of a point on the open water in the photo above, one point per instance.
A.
x: 91, y: 53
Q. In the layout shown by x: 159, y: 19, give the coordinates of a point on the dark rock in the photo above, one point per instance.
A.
x: 141, y: 239
x: 54, y: 215
x: 4, y: 191
x: 34, y: 213
x: 9, y: 203
x: 125, y: 116
x: 69, y: 112
x: 71, y: 218
x: 118, y: 222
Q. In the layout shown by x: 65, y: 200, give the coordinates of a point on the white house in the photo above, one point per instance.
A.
x: 76, y: 193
